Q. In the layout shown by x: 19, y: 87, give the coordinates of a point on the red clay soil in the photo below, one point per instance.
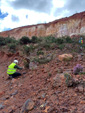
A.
x: 37, y: 85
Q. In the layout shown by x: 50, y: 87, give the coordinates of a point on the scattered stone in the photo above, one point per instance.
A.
x: 46, y: 109
x: 31, y: 76
x: 32, y: 65
x: 79, y: 57
x: 28, y: 106
x: 6, y: 97
x: 80, y: 88
x: 14, y: 93
x: 1, y: 106
x: 15, y: 85
x: 62, y: 77
x: 82, y: 102
x: 53, y: 98
x: 6, y: 102
x: 60, y: 70
x: 42, y: 107
x: 10, y: 109
x: 56, y: 82
x: 69, y: 80
x: 19, y: 85
x: 13, y: 80
x: 51, y: 109
x: 37, y: 85
x: 43, y: 95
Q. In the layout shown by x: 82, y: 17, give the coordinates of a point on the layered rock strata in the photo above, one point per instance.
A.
x: 73, y: 25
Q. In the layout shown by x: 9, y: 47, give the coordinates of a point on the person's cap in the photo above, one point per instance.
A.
x: 16, y: 61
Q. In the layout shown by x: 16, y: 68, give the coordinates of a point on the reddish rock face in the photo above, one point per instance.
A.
x: 73, y: 25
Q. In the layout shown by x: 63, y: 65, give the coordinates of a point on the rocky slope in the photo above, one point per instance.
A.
x: 72, y: 25
x: 44, y: 87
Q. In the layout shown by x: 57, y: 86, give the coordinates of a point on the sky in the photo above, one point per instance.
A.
x: 17, y: 13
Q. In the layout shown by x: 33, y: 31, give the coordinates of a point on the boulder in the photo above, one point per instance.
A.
x: 66, y: 57
x: 28, y: 106
x: 56, y: 82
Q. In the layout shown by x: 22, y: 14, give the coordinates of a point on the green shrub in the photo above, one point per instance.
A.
x: 34, y: 39
x: 68, y: 39
x: 7, y: 40
x: 24, y: 40
x: 12, y: 47
x: 26, y: 50
x: 69, y: 80
x: 61, y: 46
x: 50, y: 39
x: 82, y: 73
x: 40, y: 53
x: 43, y: 60
x: 31, y: 47
x: 26, y: 64
x: 46, y: 46
x: 59, y: 40
x: 2, y: 41
x: 10, y: 40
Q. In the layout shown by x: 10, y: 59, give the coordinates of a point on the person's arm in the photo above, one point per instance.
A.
x: 16, y: 66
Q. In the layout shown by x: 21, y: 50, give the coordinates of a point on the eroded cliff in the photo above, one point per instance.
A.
x: 73, y: 25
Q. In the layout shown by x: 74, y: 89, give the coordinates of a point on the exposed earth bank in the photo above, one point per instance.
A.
x: 73, y: 25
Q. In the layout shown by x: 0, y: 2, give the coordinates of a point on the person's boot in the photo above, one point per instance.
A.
x: 10, y: 77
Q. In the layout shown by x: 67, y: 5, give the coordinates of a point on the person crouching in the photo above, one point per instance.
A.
x: 11, y: 71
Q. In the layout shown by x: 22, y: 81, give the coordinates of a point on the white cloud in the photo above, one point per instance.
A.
x: 58, y: 3
x: 70, y: 7
x: 20, y: 13
x: 33, y: 18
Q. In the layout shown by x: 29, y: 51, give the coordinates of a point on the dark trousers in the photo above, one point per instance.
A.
x: 16, y: 74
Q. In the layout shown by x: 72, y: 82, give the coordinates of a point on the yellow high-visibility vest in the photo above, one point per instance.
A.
x: 11, y: 68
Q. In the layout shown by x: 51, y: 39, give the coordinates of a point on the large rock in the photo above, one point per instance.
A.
x: 65, y: 57
x: 56, y: 82
x: 28, y: 106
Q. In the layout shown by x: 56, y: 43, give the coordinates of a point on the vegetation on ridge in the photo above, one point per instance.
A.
x: 39, y: 45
